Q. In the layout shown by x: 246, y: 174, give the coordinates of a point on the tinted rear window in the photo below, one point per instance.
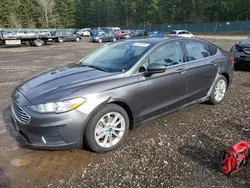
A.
x: 172, y: 32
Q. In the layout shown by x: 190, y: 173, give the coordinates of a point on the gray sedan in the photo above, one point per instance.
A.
x: 97, y: 100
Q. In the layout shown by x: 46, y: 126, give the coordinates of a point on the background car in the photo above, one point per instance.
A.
x: 156, y: 34
x: 116, y: 29
x: 181, y: 33
x: 84, y: 32
x: 120, y: 33
x: 139, y: 33
x: 126, y: 36
x: 103, y: 37
x: 66, y: 35
x: 241, y: 54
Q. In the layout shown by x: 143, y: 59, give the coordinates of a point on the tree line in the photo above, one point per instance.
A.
x: 90, y: 13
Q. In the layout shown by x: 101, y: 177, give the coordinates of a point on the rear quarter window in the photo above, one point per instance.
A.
x: 213, y: 50
x: 197, y: 50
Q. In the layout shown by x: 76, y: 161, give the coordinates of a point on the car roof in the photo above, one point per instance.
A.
x: 180, y: 30
x: 158, y: 40
x: 150, y: 40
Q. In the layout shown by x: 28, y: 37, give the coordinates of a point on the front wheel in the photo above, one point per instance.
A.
x: 218, y: 91
x: 60, y: 40
x: 100, y: 41
x: 114, y: 39
x: 77, y: 39
x: 107, y: 128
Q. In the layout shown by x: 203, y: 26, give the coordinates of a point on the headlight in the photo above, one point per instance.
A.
x: 58, y: 107
x: 96, y: 38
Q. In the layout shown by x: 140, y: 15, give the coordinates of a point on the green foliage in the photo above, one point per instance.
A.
x: 90, y: 13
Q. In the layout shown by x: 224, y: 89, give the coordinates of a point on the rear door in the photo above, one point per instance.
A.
x: 202, y: 68
x: 163, y: 91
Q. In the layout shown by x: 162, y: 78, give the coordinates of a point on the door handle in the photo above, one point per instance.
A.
x: 182, y: 71
x: 214, y: 63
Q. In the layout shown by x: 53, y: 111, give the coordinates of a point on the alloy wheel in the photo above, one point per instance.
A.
x: 220, y: 90
x: 110, y: 129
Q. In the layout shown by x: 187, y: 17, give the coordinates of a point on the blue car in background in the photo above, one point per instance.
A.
x: 156, y: 34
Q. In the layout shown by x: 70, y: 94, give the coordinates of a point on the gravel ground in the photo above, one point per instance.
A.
x: 179, y: 150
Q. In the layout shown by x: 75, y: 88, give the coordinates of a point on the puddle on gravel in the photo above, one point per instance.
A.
x: 21, y: 162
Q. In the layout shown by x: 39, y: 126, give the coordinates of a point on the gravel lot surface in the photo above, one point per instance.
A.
x: 179, y: 150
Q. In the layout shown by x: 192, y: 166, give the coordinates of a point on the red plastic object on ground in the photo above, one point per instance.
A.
x: 235, y: 158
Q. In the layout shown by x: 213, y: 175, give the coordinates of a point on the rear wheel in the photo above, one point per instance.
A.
x: 107, y: 128
x: 38, y: 42
x: 77, y: 39
x: 219, y: 90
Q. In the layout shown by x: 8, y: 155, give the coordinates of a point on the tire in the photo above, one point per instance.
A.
x: 91, y: 132
x: 100, y: 40
x: 214, y: 99
x: 77, y: 39
x: 114, y: 39
x: 60, y: 40
x: 38, y: 42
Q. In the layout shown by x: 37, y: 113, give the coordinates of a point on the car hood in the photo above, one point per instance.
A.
x: 60, y: 83
x: 245, y: 43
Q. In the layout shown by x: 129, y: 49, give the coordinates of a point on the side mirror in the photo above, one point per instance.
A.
x: 155, y: 68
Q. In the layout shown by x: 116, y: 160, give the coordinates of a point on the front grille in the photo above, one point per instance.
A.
x: 22, y: 116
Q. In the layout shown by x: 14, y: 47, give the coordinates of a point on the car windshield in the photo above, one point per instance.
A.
x: 116, y: 57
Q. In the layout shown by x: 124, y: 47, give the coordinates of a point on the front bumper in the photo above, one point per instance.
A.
x: 50, y: 131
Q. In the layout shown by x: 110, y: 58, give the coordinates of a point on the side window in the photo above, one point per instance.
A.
x: 168, y: 55
x: 213, y: 50
x: 197, y: 50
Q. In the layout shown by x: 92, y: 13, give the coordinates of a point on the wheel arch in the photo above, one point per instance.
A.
x: 126, y: 107
x: 117, y: 102
x: 226, y: 75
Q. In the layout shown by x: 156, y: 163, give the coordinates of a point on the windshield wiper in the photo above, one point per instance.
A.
x: 96, y: 67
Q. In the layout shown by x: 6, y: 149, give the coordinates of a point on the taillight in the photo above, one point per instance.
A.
x: 233, y: 59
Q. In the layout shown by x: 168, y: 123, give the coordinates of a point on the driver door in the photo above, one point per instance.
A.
x: 163, y: 91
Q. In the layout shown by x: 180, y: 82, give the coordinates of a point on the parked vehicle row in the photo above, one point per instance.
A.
x: 97, y: 34
x: 37, y: 38
x: 100, y: 32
